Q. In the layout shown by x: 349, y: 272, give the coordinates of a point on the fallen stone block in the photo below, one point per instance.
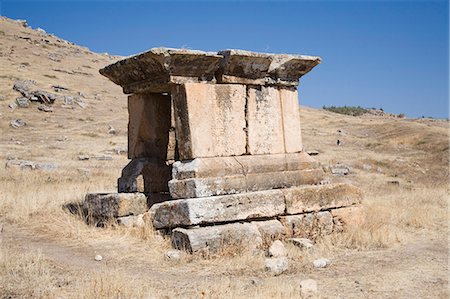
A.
x: 131, y: 221
x: 315, y: 198
x: 216, y: 209
x: 213, y: 239
x: 111, y: 205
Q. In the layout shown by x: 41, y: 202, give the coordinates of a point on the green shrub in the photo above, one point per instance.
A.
x: 348, y: 110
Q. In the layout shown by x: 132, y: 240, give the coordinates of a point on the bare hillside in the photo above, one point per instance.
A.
x: 77, y: 144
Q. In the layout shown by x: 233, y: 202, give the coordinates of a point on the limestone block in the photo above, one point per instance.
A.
x: 265, y: 126
x: 291, y: 120
x: 149, y: 125
x: 202, y: 187
x: 243, y: 67
x: 217, y: 209
x: 309, y: 225
x: 109, y: 205
x: 210, y: 120
x: 298, y: 225
x: 160, y: 66
x: 324, y: 223
x: 349, y: 216
x: 315, y: 198
x: 217, y: 238
x: 270, y: 229
x: 286, y: 179
x: 154, y: 171
x: 287, y: 69
x: 246, y: 164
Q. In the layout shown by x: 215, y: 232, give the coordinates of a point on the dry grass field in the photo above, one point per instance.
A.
x: 400, y: 249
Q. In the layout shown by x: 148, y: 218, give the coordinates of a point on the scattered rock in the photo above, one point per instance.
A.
x: 43, y: 97
x: 312, y: 152
x: 277, y: 265
x: 45, y: 108
x: 173, y: 254
x: 41, y: 31
x: 23, y: 86
x: 22, y: 23
x: 102, y: 157
x: 321, y: 263
x: 308, y: 288
x: 111, y: 130
x: 30, y: 165
x: 81, y: 103
x: 98, y: 258
x: 302, y: 243
x: 339, y: 169
x: 395, y: 183
x: 17, y: 123
x: 277, y: 249
x: 12, y: 105
x: 22, y: 102
x: 120, y: 150
x: 2, y: 98
x: 68, y: 100
x: 83, y: 157
x: 59, y: 88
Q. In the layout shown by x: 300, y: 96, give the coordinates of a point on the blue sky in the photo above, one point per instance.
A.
x: 389, y: 54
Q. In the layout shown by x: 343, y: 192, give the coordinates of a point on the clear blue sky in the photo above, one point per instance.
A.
x: 389, y: 54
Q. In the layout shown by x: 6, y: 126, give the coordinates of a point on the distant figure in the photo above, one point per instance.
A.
x: 338, y: 142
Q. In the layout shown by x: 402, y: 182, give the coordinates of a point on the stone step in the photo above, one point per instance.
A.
x: 253, y: 205
x: 204, y: 187
x: 249, y: 235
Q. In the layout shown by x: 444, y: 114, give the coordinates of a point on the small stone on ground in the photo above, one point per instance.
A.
x: 321, y: 263
x: 277, y: 265
x: 277, y: 249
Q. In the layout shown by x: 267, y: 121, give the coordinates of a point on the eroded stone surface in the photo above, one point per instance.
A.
x: 210, y: 120
x: 202, y: 187
x: 309, y: 225
x: 109, y: 205
x: 291, y: 120
x: 247, y: 164
x: 315, y: 198
x: 265, y: 126
x: 216, y: 238
x: 217, y: 209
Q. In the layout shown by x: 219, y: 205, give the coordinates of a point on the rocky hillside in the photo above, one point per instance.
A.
x: 56, y: 108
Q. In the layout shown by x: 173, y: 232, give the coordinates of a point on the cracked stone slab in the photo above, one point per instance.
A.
x: 218, y: 209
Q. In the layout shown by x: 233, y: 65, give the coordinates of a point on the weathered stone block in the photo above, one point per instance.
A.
x: 298, y: 225
x: 216, y: 238
x: 265, y: 125
x: 315, y: 198
x: 291, y: 120
x: 246, y: 164
x: 349, y: 216
x: 155, y: 173
x: 217, y: 209
x: 210, y: 120
x: 202, y: 187
x: 309, y: 225
x: 110, y: 205
x: 270, y: 229
x: 149, y: 125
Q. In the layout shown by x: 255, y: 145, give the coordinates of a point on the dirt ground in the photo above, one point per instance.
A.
x: 399, y: 251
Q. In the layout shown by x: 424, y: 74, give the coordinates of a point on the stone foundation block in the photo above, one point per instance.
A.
x: 246, y: 164
x: 111, y: 205
x: 316, y: 198
x: 217, y: 209
x: 309, y: 225
x: 213, y: 239
x: 270, y: 229
x: 203, y: 187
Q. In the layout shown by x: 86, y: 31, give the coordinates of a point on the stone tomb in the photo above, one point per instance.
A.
x: 216, y: 139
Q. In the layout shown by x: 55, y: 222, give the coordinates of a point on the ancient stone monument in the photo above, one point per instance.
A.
x: 216, y: 138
